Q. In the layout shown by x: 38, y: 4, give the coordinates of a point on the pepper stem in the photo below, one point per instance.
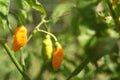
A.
x: 48, y: 33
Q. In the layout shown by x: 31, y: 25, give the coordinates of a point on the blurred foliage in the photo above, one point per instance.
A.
x: 4, y: 12
x: 83, y: 27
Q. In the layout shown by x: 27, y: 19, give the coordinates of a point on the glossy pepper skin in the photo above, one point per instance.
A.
x: 47, y: 48
x: 20, y: 37
x: 57, y: 56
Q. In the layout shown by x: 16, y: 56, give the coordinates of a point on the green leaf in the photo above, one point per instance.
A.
x: 60, y: 11
x: 85, y: 36
x: 37, y: 6
x: 103, y: 46
x: 4, y: 10
x: 23, y: 12
x: 24, y: 5
x: 4, y: 7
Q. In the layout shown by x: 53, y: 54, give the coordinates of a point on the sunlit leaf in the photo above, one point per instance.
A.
x: 60, y: 11
x: 37, y: 6
x: 85, y: 36
x: 4, y: 7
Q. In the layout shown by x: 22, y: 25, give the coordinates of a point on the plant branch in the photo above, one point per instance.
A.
x: 12, y: 57
x: 79, y: 68
x: 35, y: 30
x: 37, y: 27
x: 10, y: 53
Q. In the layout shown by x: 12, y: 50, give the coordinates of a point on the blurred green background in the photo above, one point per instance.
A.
x: 85, y: 28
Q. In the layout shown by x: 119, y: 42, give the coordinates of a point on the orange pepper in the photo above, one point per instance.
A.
x: 20, y: 37
x: 57, y: 56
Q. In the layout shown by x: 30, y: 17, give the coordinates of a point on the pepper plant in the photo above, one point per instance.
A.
x: 78, y: 40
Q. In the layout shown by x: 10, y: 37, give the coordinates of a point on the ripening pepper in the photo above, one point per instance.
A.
x: 57, y: 56
x: 47, y: 48
x: 20, y: 37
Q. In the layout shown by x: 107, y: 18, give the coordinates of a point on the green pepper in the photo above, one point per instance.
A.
x: 47, y: 48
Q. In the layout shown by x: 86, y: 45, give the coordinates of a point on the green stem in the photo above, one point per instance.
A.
x: 79, y: 68
x: 10, y: 53
x: 18, y: 66
x: 22, y: 60
x: 45, y: 25
x: 48, y: 33
x: 35, y: 30
x: 37, y: 27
